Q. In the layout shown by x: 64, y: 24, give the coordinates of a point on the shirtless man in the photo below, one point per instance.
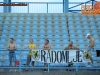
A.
x: 71, y: 46
x: 91, y: 47
x: 12, y: 47
x: 46, y: 46
x: 91, y: 43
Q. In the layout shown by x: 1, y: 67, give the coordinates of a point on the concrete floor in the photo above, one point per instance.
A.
x: 57, y: 72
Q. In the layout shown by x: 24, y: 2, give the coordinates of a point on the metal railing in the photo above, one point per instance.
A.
x: 4, y: 53
x: 45, y: 7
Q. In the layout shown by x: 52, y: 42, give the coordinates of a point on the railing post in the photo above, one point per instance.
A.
x: 47, y: 7
x: 48, y: 67
x: 20, y: 61
x: 28, y: 7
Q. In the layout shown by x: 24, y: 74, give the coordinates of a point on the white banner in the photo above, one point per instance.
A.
x: 58, y: 56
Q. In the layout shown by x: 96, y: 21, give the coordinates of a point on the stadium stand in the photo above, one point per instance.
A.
x: 58, y: 28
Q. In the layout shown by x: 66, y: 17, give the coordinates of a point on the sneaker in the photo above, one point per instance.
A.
x: 15, y: 70
x: 10, y: 70
x: 26, y: 69
x: 89, y: 66
x: 45, y: 70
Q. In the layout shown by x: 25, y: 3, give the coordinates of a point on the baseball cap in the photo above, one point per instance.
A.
x: 88, y: 35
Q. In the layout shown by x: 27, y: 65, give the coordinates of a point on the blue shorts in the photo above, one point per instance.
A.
x: 91, y: 50
x: 12, y: 56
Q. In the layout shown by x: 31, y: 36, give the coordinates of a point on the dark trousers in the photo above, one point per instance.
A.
x: 29, y: 60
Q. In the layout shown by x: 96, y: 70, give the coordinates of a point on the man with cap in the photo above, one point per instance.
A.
x: 90, y: 48
x: 91, y: 43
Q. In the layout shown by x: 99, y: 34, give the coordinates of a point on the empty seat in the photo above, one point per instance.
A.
x: 26, y: 41
x: 19, y: 36
x: 27, y: 32
x: 26, y: 36
x: 57, y: 36
x: 65, y: 41
x: 18, y: 41
x: 49, y: 31
x: 49, y: 36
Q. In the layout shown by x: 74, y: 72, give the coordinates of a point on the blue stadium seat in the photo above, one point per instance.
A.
x: 34, y: 36
x: 6, y: 22
x: 35, y: 23
x: 18, y: 41
x: 13, y: 22
x: 85, y: 23
x: 96, y: 36
x: 20, y: 27
x: 78, y: 23
x: 63, y: 23
x: 63, y: 19
x: 56, y: 28
x: 11, y: 36
x: 27, y: 23
x: 26, y: 41
x: 13, y: 27
x: 14, y: 18
x: 70, y: 23
x: 56, y: 31
x: 42, y: 27
x: 12, y: 31
x: 86, y: 31
x: 49, y: 32
x: 97, y: 41
x: 81, y: 41
x: 41, y: 41
x: 71, y: 31
x: 78, y: 27
x: 56, y: 23
x: 82, y: 47
x: 2, y: 41
x: 84, y: 19
x: 49, y: 27
x: 19, y: 36
x: 57, y: 41
x: 72, y: 36
x: 65, y: 41
x: 99, y: 27
x: 64, y: 36
x: 95, y: 64
x: 70, y: 19
x: 98, y: 23
x: 92, y: 23
x: 77, y: 19
x: 42, y: 23
x: 19, y: 32
x: 35, y: 31
x: 79, y: 31
x: 42, y: 36
x: 3, y: 36
x: 71, y: 27
x: 85, y: 27
x: 80, y: 36
x: 4, y: 32
x: 64, y: 27
x: 2, y: 46
x: 93, y: 27
x: 34, y: 27
x: 57, y: 47
x: 49, y: 36
x: 20, y: 22
x: 97, y: 19
x: 42, y: 31
x: 94, y: 32
x: 26, y: 36
x: 27, y: 32
x: 64, y: 31
x: 57, y: 36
